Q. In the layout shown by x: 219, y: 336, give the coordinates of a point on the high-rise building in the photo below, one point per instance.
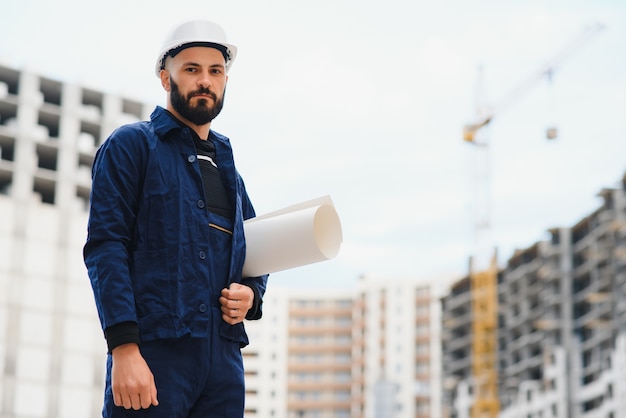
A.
x: 561, y: 323
x: 51, y: 347
x: 372, y: 352
x: 265, y: 359
x: 397, y: 348
x: 456, y: 345
x: 319, y: 355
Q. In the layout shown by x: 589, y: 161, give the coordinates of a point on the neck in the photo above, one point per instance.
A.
x: 201, y: 130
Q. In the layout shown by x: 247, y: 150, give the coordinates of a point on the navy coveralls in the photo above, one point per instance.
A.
x: 153, y: 259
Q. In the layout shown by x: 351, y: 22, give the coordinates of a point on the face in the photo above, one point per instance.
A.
x: 196, y: 80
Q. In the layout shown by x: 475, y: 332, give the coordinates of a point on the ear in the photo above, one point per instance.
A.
x: 165, y: 79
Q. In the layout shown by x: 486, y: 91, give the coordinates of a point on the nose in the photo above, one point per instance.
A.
x: 204, y: 80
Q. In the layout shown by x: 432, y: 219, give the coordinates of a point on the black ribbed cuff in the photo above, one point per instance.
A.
x: 122, y: 333
x: 255, y: 312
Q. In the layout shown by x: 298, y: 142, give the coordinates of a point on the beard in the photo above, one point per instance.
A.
x: 200, y: 114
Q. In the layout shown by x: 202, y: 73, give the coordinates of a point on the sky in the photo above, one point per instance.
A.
x: 365, y: 101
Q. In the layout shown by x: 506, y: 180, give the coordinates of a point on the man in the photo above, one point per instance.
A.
x: 165, y: 245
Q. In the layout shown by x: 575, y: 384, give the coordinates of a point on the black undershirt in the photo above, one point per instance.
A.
x: 214, y: 192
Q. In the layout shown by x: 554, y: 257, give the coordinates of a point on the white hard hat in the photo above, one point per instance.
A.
x: 196, y: 33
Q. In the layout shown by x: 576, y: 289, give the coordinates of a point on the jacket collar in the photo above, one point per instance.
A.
x: 165, y: 122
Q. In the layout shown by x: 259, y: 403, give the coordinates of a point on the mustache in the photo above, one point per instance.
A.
x: 203, y: 91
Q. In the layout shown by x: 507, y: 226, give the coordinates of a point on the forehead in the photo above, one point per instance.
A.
x: 200, y: 55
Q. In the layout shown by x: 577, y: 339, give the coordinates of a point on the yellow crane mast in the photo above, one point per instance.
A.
x: 483, y: 268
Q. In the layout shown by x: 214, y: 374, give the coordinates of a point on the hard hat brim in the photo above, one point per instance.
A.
x: 230, y: 55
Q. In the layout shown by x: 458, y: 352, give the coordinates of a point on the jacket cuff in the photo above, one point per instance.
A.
x: 255, y: 312
x: 122, y: 333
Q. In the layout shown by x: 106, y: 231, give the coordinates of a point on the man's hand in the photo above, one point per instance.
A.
x: 236, y: 301
x: 131, y: 379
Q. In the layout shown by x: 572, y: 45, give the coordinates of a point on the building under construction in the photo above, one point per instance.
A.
x: 561, y: 334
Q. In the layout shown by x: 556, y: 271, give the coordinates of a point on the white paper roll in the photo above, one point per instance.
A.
x: 302, y: 234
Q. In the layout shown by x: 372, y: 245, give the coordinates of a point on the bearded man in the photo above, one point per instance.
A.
x: 165, y: 245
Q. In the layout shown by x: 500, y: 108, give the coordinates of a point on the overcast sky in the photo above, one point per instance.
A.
x: 366, y: 101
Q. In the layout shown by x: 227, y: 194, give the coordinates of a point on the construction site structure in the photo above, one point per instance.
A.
x: 483, y: 266
x: 561, y: 333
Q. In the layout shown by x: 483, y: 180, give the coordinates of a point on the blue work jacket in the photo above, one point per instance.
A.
x: 147, y: 249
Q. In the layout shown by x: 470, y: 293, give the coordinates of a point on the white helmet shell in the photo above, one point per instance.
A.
x: 196, y: 32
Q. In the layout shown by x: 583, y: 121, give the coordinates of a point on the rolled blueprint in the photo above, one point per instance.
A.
x: 295, y: 236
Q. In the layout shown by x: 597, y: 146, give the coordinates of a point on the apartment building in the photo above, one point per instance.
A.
x: 456, y: 344
x: 298, y: 364
x: 265, y: 359
x: 560, y: 323
x: 397, y: 359
x: 372, y: 352
x: 535, y: 327
x: 299, y: 361
x: 51, y: 349
x: 319, y: 355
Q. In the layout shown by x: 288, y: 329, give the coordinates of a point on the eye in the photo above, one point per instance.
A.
x: 216, y: 71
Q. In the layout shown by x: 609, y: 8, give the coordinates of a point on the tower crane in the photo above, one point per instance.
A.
x: 483, y: 266
x: 470, y: 130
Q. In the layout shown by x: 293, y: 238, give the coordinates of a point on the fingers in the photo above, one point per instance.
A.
x: 127, y: 400
x: 117, y: 399
x: 132, y: 382
x: 237, y: 296
x: 148, y: 397
x: 136, y: 398
x: 153, y: 394
x: 235, y: 303
x: 238, y: 291
x: 232, y: 315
